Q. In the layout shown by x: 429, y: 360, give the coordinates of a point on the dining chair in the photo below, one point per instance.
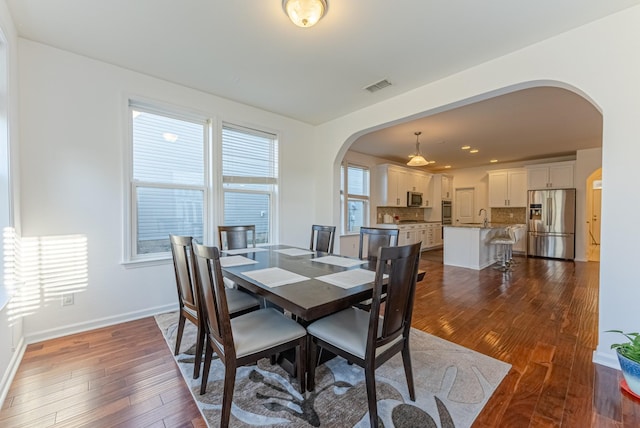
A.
x: 236, y: 237
x: 243, y: 340
x: 371, y: 240
x: 238, y: 301
x: 368, y: 338
x: 322, y: 238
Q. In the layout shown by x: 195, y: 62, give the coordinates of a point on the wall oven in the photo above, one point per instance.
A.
x: 446, y: 212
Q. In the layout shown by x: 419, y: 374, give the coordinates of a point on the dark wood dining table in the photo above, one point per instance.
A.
x: 308, y: 300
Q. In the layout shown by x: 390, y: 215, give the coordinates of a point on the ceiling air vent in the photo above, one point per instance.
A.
x: 378, y: 85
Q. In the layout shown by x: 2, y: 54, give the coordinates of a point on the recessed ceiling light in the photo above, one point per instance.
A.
x: 447, y: 166
x: 474, y: 151
x: 465, y: 147
x: 493, y: 160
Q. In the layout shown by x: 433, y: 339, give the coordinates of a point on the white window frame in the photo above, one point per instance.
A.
x: 130, y: 255
x: 345, y: 196
x: 274, y: 182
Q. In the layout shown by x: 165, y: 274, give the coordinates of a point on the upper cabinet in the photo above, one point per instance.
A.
x: 508, y: 188
x: 447, y: 187
x: 394, y: 182
x: 424, y: 187
x: 559, y: 175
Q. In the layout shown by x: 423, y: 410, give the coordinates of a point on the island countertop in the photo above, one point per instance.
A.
x: 482, y: 226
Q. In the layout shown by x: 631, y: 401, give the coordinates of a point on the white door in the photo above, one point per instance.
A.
x: 465, y: 210
x: 595, y: 216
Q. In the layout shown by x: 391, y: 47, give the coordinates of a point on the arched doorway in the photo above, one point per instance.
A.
x: 594, y: 198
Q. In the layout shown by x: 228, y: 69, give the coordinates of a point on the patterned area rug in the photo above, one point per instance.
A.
x: 452, y: 386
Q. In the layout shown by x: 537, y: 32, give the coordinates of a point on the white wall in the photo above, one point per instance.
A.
x: 73, y: 119
x: 598, y: 61
x: 11, y: 338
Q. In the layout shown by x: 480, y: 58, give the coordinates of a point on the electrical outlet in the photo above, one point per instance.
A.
x: 67, y: 299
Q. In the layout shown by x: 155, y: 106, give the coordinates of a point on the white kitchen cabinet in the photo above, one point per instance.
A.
x: 407, y: 234
x: 421, y: 236
x: 508, y: 188
x: 394, y: 182
x: 425, y: 188
x: 437, y: 234
x: 559, y: 175
x: 447, y: 187
x: 391, y: 186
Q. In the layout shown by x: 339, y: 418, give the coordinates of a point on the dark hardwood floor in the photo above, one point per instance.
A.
x: 541, y: 318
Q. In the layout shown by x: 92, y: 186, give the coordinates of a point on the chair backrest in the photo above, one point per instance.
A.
x: 372, y: 239
x: 236, y: 237
x: 182, y: 252
x: 213, y: 299
x: 519, y: 232
x: 322, y: 238
x: 401, y: 265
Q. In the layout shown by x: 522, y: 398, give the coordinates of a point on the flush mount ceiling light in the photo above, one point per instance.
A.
x: 305, y: 13
x: 417, y: 159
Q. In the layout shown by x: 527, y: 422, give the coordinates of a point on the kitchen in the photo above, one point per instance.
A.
x: 391, y: 204
x: 496, y: 179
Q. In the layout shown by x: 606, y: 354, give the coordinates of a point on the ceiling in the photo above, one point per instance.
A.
x: 529, y: 124
x: 248, y: 51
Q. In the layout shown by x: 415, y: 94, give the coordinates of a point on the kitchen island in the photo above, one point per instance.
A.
x: 468, y: 245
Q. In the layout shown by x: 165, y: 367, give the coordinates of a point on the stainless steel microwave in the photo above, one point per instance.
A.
x: 414, y: 199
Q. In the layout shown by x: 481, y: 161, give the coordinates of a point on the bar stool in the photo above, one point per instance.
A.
x: 504, y: 243
x: 519, y: 232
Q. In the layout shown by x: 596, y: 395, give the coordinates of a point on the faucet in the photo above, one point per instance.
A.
x: 485, y: 222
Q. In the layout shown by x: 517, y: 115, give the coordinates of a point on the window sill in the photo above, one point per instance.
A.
x: 134, y: 264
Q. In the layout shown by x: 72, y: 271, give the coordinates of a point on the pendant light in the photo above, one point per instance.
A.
x: 305, y: 13
x: 417, y: 159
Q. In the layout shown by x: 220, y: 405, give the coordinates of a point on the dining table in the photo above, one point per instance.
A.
x: 308, y: 284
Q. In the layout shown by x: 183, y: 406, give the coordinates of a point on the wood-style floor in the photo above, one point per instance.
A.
x: 541, y: 318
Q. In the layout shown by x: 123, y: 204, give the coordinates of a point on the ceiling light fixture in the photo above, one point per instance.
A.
x: 465, y: 147
x: 474, y: 151
x: 493, y: 160
x: 417, y: 159
x: 305, y: 13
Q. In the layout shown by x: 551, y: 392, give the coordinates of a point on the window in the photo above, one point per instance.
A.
x: 168, y: 179
x: 355, y: 213
x: 249, y: 179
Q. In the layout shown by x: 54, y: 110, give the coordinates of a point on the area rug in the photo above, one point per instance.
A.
x: 452, y: 386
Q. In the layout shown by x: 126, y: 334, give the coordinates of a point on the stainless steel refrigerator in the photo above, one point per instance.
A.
x: 552, y: 223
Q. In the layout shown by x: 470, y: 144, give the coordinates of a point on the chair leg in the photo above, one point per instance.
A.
x: 181, y: 321
x: 208, y: 355
x: 312, y: 360
x: 301, y: 360
x: 408, y: 372
x: 199, y: 349
x: 227, y: 392
x: 370, y: 380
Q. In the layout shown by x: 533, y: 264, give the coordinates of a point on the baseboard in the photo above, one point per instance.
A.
x: 606, y: 359
x: 11, y: 371
x: 97, y: 323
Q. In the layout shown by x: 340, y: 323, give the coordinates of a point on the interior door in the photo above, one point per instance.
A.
x: 595, y: 216
x: 465, y: 209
